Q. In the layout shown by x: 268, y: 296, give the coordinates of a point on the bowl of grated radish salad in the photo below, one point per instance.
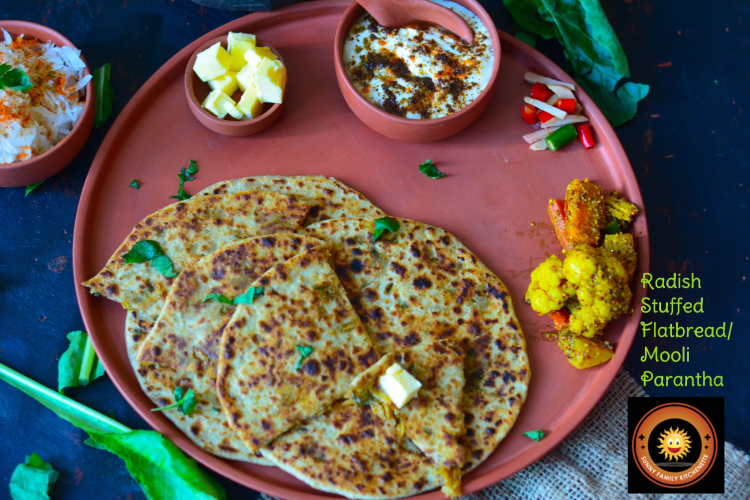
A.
x: 46, y: 102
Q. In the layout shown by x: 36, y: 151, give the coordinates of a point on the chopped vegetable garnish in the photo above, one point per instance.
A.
x: 135, y: 184
x: 540, y: 92
x: 223, y: 299
x: 534, y: 78
x: 103, y: 95
x: 567, y: 105
x: 14, y: 79
x: 556, y: 122
x: 562, y: 92
x: 32, y: 187
x: 245, y: 298
x: 304, y: 352
x: 539, y: 135
x: 150, y: 250
x: 382, y: 224
x: 536, y: 435
x: 185, y: 401
x: 556, y: 112
x: 561, y: 137
x: 430, y: 170
x: 539, y: 145
x: 185, y: 176
x: 33, y: 479
x: 585, y: 135
x: 529, y: 115
x: 544, y: 117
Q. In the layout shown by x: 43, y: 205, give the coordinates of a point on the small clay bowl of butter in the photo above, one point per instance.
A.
x: 197, y: 90
x: 404, y: 84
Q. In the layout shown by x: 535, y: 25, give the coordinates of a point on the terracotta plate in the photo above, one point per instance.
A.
x: 493, y: 190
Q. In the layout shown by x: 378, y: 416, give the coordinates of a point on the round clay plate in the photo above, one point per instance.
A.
x: 493, y: 190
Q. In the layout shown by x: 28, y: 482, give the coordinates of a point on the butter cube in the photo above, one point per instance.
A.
x: 270, y: 79
x: 246, y: 77
x: 226, y: 83
x: 399, y: 385
x: 212, y: 62
x: 217, y: 103
x: 255, y: 55
x: 250, y: 104
x: 237, y: 45
x: 233, y: 111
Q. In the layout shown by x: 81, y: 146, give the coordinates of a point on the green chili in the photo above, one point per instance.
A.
x: 562, y: 137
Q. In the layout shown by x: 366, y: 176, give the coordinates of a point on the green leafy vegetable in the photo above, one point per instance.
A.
x: 382, y: 224
x: 185, y: 176
x: 157, y: 465
x: 78, y: 365
x: 14, y: 79
x: 33, y: 479
x: 32, y: 187
x: 430, y: 170
x: 249, y: 296
x: 186, y: 402
x: 535, y: 435
x: 304, y: 352
x: 150, y: 250
x: 103, y: 95
x: 135, y: 184
x: 245, y: 298
x: 591, y: 46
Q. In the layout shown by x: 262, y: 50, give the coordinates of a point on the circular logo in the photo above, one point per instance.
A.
x: 673, y: 445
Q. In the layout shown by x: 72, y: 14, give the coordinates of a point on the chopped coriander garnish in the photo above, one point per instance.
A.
x: 304, y: 352
x: 185, y: 176
x: 430, y: 170
x: 245, y: 298
x: 185, y: 401
x: 535, y: 435
x: 103, y: 95
x: 382, y: 224
x: 135, y: 184
x: 32, y: 187
x: 14, y: 79
x: 150, y: 250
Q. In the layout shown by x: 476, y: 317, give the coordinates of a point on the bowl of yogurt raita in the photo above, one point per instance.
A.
x: 417, y: 83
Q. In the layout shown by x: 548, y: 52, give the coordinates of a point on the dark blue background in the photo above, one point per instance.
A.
x: 688, y: 147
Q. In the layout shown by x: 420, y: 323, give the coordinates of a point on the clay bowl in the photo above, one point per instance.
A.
x: 406, y: 129
x: 196, y: 91
x: 59, y: 156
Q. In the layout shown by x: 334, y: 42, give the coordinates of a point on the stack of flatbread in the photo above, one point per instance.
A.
x: 282, y: 316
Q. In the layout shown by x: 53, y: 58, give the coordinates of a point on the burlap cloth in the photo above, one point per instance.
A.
x: 573, y: 470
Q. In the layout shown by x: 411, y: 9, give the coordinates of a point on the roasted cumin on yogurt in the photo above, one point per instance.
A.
x: 418, y: 71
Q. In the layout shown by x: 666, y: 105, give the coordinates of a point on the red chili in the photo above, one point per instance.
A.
x: 585, y: 135
x: 567, y: 105
x: 544, y: 116
x: 528, y: 113
x: 540, y: 92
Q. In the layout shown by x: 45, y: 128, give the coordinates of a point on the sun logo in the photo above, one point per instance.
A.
x: 674, y: 443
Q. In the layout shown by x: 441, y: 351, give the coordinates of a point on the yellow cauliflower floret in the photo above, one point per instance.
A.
x: 548, y: 290
x: 594, y: 277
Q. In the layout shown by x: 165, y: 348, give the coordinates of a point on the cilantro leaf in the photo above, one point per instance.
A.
x: 78, y: 362
x: 535, y: 435
x: 14, y: 79
x: 156, y: 464
x: 592, y: 48
x: 32, y: 187
x: 430, y: 170
x: 134, y: 184
x: 382, y: 224
x: 185, y: 401
x: 185, y: 176
x: 248, y: 296
x: 150, y: 250
x: 218, y: 298
x: 104, y: 95
x: 142, y: 251
x: 33, y: 479
x: 304, y: 352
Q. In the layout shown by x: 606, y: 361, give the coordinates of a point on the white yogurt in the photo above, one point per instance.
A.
x: 418, y: 71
